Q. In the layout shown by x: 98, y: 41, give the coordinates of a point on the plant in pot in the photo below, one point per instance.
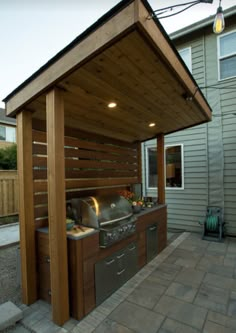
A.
x: 135, y: 201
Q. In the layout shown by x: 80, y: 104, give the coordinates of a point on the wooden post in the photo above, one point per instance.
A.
x: 26, y: 207
x: 161, y: 168
x: 57, y: 207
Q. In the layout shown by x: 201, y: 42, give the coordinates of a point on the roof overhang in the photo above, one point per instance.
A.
x: 127, y: 58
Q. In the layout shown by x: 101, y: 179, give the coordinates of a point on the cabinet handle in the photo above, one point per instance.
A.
x: 152, y: 228
x: 122, y: 255
x: 47, y: 259
x: 121, y: 272
x: 49, y: 292
x: 132, y: 248
x: 110, y: 262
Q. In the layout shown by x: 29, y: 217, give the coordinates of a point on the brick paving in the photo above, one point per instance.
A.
x: 189, y: 288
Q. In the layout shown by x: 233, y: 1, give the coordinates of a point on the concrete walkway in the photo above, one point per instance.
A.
x: 189, y: 288
x: 9, y: 234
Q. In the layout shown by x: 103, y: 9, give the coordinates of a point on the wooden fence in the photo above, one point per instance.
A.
x: 8, y: 193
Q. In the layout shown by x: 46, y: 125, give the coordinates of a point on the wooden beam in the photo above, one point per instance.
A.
x: 57, y: 207
x: 161, y: 168
x: 26, y: 207
x: 98, y: 39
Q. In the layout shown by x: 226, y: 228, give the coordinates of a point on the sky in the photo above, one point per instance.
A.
x: 33, y: 31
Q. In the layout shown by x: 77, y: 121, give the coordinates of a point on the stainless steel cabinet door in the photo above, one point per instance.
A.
x: 152, y: 245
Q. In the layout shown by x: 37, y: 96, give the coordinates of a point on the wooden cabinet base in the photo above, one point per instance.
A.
x: 84, y: 254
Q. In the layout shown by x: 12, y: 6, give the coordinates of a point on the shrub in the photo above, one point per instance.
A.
x: 8, y: 158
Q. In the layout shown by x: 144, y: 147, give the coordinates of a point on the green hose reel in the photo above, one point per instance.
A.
x: 212, y: 223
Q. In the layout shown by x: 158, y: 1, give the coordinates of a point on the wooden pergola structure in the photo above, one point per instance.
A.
x: 125, y: 58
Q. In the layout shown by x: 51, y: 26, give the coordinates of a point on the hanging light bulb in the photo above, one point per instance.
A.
x: 219, y: 22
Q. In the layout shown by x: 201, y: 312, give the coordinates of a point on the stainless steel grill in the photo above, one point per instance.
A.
x: 112, y: 215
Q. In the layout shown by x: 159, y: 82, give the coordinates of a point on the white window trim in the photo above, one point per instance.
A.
x: 190, y: 53
x: 220, y: 58
x: 182, y: 169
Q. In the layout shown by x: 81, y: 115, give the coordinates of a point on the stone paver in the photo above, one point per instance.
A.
x: 189, y: 288
x: 212, y: 298
x: 186, y: 313
x: 190, y: 276
x: 173, y: 326
x: 181, y: 291
x: 109, y: 326
x: 220, y: 281
x: 211, y: 327
x: 9, y: 234
x: 137, y: 318
x: 222, y: 319
x: 9, y: 315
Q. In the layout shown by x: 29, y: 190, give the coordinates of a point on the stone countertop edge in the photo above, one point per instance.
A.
x: 80, y: 236
x: 147, y: 210
x: 144, y: 211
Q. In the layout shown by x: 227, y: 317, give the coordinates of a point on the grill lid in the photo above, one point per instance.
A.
x: 102, y: 210
x: 113, y: 208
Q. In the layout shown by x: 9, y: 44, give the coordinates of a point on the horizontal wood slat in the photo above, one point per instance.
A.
x: 39, y: 149
x: 73, y: 142
x: 94, y: 164
x: 41, y: 198
x: 88, y: 164
x: 39, y: 136
x: 94, y: 155
x: 72, y: 174
x: 41, y: 186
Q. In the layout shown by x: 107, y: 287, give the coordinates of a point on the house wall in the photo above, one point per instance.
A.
x: 209, y: 149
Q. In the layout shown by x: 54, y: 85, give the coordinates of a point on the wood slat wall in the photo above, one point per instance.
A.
x: 93, y: 165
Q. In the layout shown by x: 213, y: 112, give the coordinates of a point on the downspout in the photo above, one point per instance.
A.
x: 207, y: 132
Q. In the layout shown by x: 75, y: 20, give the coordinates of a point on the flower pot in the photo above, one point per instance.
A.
x: 136, y: 209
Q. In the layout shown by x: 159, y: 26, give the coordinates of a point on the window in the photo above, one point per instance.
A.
x: 10, y: 134
x: 187, y: 57
x: 151, y: 167
x: 7, y: 133
x: 173, y: 167
x: 227, y: 55
x: 2, y: 133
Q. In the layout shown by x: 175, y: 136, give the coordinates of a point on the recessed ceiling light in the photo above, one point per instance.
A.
x: 112, y: 105
x: 152, y: 125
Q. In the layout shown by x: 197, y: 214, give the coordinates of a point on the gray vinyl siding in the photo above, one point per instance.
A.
x: 209, y: 149
x: 228, y: 104
x: 186, y: 207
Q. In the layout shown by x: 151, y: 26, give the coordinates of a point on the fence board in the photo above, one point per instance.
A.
x: 8, y: 193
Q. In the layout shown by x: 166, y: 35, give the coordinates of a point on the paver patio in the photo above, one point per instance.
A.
x: 190, y: 287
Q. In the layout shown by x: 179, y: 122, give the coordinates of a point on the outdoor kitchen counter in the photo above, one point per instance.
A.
x: 84, y: 254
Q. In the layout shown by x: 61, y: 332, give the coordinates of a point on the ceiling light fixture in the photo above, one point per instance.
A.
x: 219, y: 22
x: 112, y: 105
x: 152, y: 125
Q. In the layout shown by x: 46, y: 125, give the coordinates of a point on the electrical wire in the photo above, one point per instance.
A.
x: 161, y: 11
